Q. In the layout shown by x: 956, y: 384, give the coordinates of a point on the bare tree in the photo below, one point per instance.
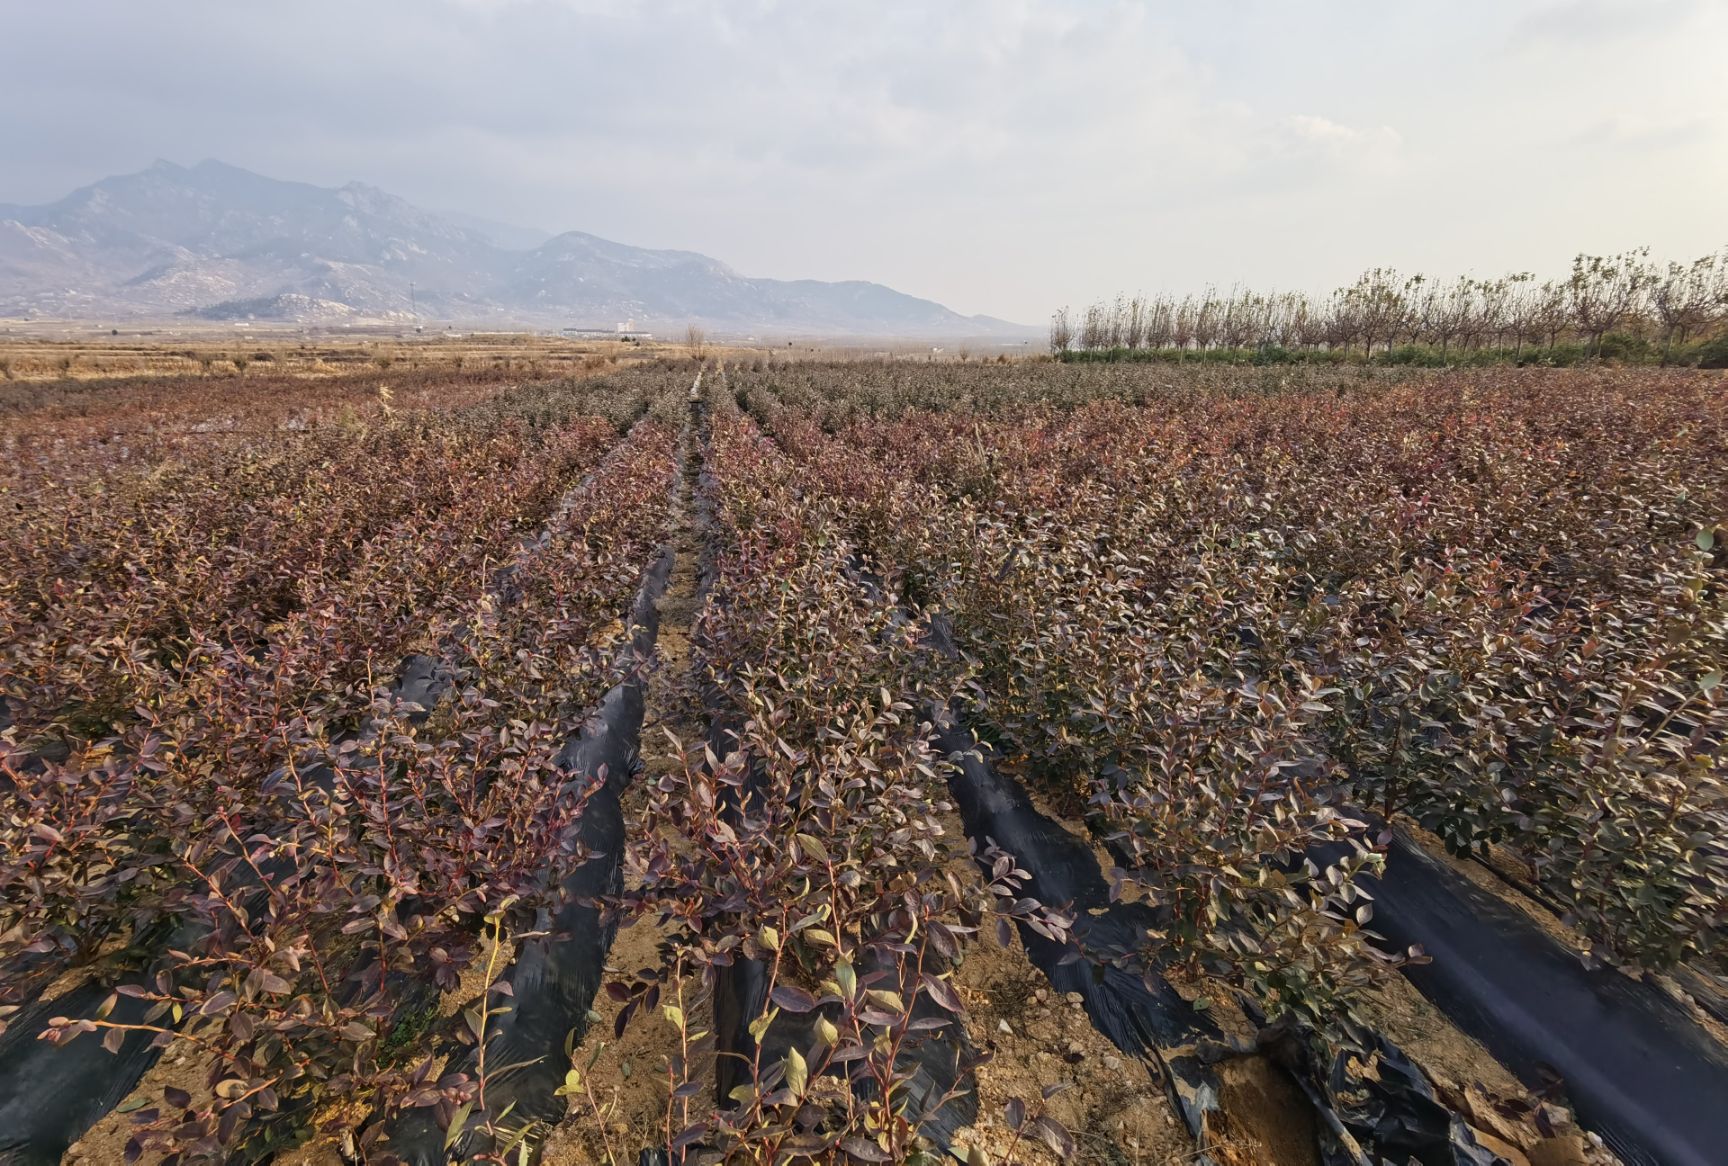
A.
x: 696, y: 340
x: 1552, y: 312
x: 1472, y: 311
x: 1683, y: 300
x: 1416, y: 290
x: 1603, y: 290
x: 1494, y: 304
x: 1095, y: 328
x: 1343, y: 321
x: 1376, y: 300
x: 1161, y: 323
x: 1304, y: 327
x: 1116, y: 325
x: 1240, y: 319
x: 1715, y: 313
x: 1446, y: 312
x: 1206, y: 319
x: 1381, y: 309
x: 1061, y: 332
x: 1184, y: 322
x: 1523, y: 306
x: 1134, y: 330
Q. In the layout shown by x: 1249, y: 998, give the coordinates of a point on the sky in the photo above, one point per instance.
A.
x: 1001, y: 156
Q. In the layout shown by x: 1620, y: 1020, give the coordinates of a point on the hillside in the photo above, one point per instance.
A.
x: 221, y: 243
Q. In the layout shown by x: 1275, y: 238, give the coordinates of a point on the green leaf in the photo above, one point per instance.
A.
x: 761, y: 1023
x: 887, y: 999
x: 457, y: 1121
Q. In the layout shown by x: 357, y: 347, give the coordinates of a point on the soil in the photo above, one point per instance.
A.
x: 1506, y: 1117
x: 1113, y: 1104
x: 75, y: 351
x: 106, y: 1140
x: 1266, y: 1118
x: 626, y: 1084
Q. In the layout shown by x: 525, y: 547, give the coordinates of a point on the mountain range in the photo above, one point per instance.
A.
x: 216, y: 242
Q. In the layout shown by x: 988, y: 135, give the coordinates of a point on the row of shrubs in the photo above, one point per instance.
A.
x: 1616, y: 348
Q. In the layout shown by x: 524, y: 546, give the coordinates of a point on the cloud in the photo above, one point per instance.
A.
x: 1630, y: 132
x: 1611, y: 22
x: 1373, y: 144
x: 1001, y: 155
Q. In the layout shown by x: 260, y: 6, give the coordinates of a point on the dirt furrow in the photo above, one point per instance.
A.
x: 621, y: 1104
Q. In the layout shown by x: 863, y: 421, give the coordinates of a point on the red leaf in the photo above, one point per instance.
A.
x: 689, y: 1135
x: 1053, y: 1134
x: 792, y: 998
x: 943, y: 993
x: 865, y: 1151
x: 217, y: 1003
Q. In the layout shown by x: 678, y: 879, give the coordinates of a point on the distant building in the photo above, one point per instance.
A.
x: 626, y: 330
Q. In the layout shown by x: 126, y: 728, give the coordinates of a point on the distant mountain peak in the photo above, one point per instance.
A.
x: 224, y: 242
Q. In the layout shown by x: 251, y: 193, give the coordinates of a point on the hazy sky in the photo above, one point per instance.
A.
x: 1002, y: 156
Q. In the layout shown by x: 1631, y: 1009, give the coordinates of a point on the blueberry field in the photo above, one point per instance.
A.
x: 733, y: 760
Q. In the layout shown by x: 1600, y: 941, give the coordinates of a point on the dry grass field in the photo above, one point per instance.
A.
x: 40, y: 353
